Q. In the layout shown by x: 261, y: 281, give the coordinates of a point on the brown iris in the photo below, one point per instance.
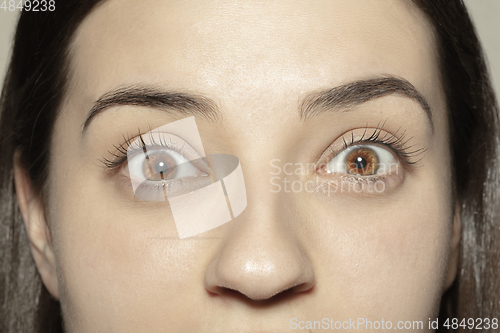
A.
x: 159, y: 166
x: 362, y: 161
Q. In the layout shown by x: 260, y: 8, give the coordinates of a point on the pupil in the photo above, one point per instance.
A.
x: 360, y: 163
x: 161, y: 167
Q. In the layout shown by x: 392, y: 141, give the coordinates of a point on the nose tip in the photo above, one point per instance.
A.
x: 260, y: 274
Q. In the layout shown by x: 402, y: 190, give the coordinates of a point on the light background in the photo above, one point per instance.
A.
x: 485, y: 14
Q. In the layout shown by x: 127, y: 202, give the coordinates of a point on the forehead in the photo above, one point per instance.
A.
x: 243, y: 48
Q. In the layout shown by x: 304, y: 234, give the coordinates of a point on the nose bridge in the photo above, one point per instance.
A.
x: 261, y: 257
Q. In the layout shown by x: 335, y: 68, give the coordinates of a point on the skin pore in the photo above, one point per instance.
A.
x: 115, y: 262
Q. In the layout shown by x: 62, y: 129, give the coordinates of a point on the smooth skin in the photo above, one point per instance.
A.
x: 115, y: 262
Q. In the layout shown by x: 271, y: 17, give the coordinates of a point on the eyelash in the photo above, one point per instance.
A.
x: 397, y: 144
x: 121, y: 154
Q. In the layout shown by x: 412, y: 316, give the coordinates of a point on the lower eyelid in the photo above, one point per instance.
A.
x: 344, y: 184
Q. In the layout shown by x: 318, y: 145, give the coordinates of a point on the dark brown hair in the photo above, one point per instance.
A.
x: 32, y: 93
x: 474, y: 143
x: 35, y: 86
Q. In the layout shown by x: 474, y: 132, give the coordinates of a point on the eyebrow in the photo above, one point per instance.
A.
x: 313, y: 104
x: 358, y: 92
x: 174, y: 103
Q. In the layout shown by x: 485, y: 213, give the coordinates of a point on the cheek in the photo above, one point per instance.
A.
x: 386, y: 258
x: 114, y: 258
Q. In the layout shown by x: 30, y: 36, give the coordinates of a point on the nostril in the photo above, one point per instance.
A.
x: 253, y: 295
x: 303, y: 287
x: 226, y: 292
x: 287, y: 293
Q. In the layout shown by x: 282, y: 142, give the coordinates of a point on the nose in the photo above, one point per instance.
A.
x: 260, y: 258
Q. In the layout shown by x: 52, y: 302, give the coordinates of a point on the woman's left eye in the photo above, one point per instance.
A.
x: 362, y: 160
x: 161, y: 164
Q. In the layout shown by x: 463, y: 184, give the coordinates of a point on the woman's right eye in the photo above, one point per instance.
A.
x: 157, y: 158
x: 159, y: 164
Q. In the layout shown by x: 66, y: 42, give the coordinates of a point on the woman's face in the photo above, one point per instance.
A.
x: 347, y: 216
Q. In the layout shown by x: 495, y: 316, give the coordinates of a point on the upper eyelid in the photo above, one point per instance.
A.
x: 396, y: 144
x: 171, y: 147
x: 163, y: 144
x: 121, y: 153
x: 404, y: 157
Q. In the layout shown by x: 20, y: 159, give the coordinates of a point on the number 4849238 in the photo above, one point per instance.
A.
x: 29, y: 5
x: 477, y: 324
